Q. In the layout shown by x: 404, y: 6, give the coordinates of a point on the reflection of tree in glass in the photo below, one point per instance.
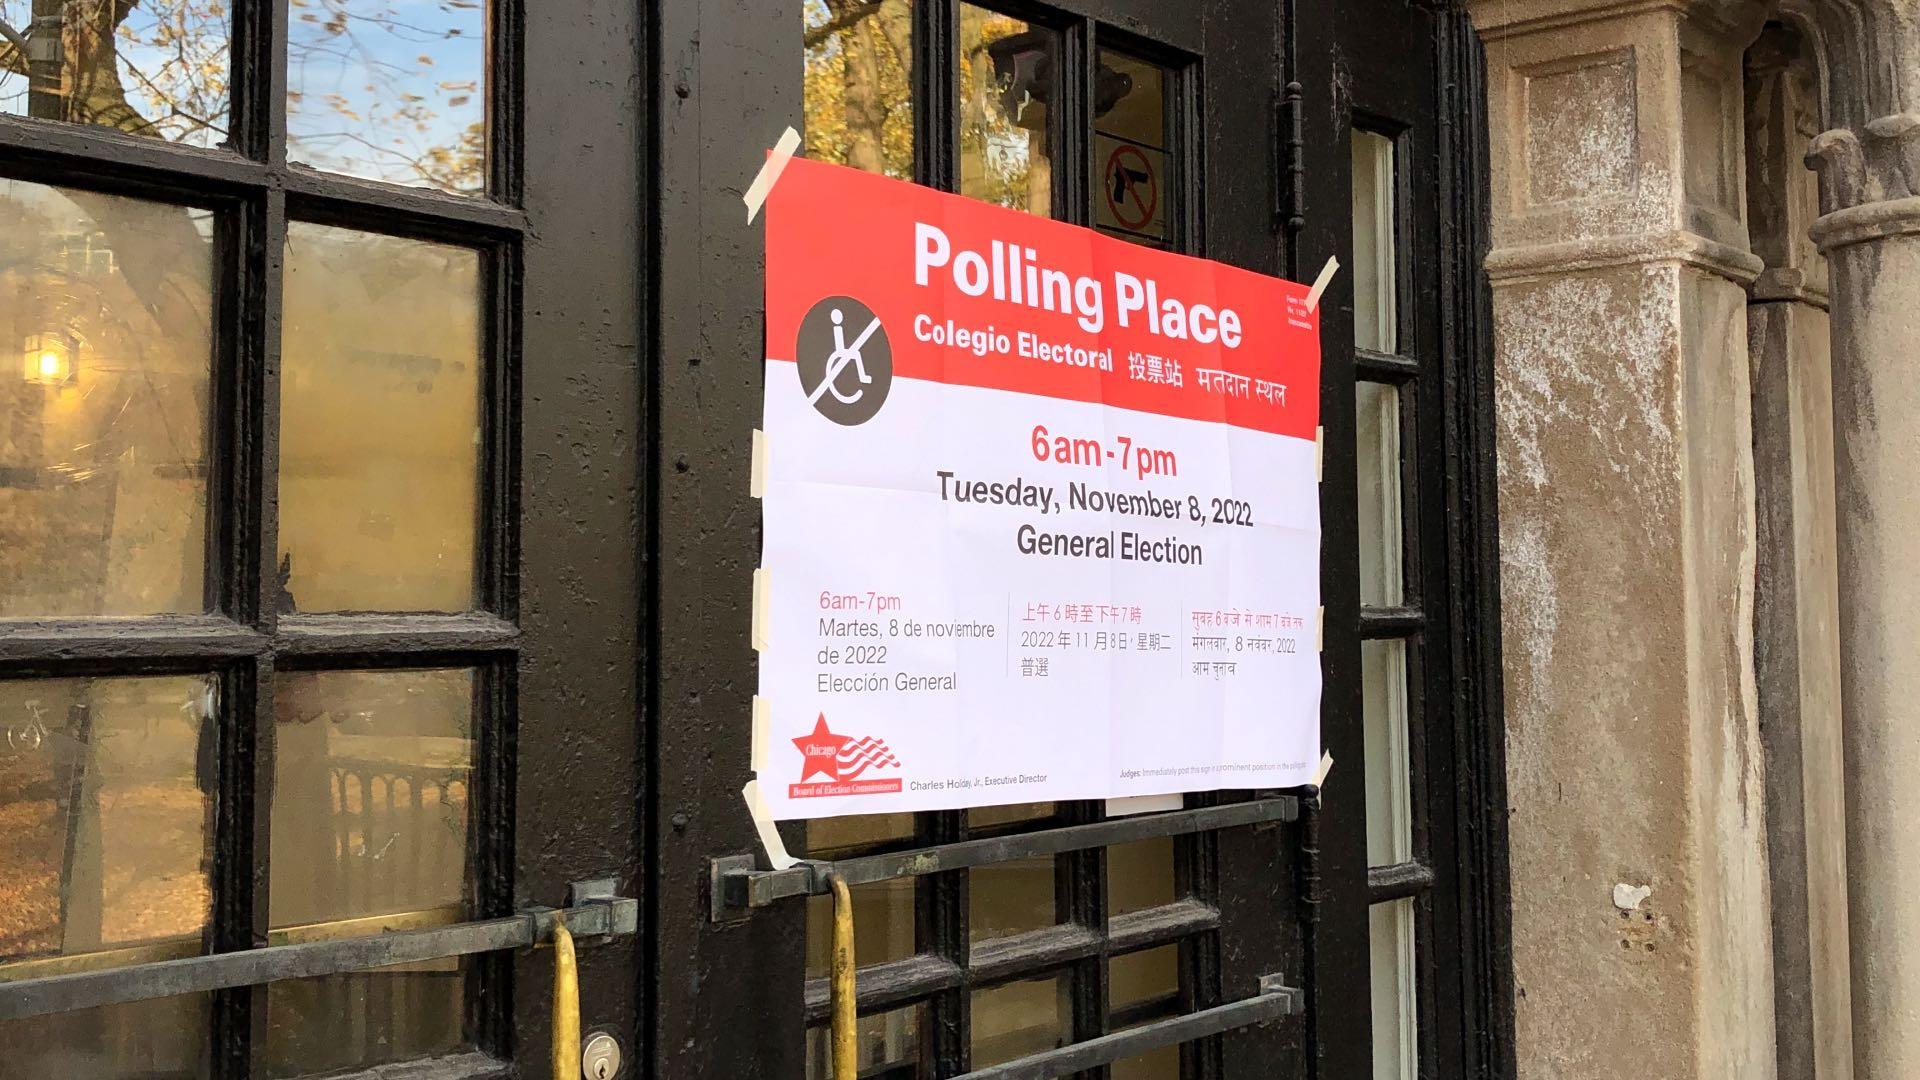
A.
x: 859, y: 100
x: 1003, y: 129
x: 390, y: 90
x: 148, y: 67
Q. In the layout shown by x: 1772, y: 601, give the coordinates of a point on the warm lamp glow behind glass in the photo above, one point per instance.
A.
x: 50, y: 359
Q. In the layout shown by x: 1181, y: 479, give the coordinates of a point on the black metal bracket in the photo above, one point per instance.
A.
x: 737, y: 887
x: 595, y: 913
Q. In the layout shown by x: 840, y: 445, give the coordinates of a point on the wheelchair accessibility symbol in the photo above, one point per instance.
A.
x: 845, y: 360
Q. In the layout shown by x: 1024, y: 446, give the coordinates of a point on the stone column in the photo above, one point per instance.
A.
x: 1627, y: 539
x: 1797, y: 609
x: 1869, y: 172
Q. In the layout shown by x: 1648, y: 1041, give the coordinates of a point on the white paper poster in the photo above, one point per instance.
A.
x: 1041, y: 510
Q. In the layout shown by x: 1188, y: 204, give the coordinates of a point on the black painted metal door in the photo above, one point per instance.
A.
x: 1027, y: 105
x: 321, y: 529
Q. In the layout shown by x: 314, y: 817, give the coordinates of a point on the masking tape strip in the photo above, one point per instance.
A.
x: 762, y: 185
x: 1319, y: 629
x: 760, y: 586
x: 762, y: 731
x: 1326, y: 766
x: 1320, y: 283
x: 776, y: 848
x: 757, y: 480
x: 1319, y: 446
x: 1144, y: 804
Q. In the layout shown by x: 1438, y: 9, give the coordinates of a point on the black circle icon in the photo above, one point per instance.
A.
x: 845, y: 360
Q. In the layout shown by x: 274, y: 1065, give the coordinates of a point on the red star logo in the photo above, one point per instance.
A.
x: 821, y: 750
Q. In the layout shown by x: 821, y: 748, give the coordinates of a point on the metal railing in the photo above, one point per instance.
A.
x: 738, y: 888
x: 593, y: 912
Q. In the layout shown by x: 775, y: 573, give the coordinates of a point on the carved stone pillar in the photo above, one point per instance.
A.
x: 1620, y: 268
x: 1869, y: 168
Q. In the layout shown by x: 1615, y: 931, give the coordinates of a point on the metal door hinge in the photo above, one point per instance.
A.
x: 1290, y: 168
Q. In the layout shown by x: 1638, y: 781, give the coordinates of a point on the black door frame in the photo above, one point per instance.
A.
x: 1415, y: 71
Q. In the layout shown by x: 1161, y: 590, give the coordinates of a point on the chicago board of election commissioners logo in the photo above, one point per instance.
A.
x: 838, y: 764
x: 845, y: 360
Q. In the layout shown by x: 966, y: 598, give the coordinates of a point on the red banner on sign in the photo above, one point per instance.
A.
x: 970, y: 294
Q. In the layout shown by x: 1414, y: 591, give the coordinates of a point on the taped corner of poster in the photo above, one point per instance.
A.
x: 1320, y: 283
x: 1326, y: 766
x: 761, y: 579
x: 757, y: 479
x: 763, y: 824
x: 1319, y: 451
x: 769, y: 173
x: 762, y: 729
x: 1319, y: 629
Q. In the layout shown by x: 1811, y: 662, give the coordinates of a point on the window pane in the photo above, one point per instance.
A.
x: 106, y: 332
x: 1018, y: 1019
x: 889, y: 1046
x: 1395, y: 1012
x: 1140, y: 875
x: 379, y: 423
x: 1376, y: 409
x: 1010, y: 897
x: 106, y: 800
x: 882, y: 925
x: 987, y: 817
x: 164, y: 1039
x: 155, y: 70
x: 1375, y: 285
x: 1143, y: 987
x: 882, y: 910
x: 1134, y: 191
x: 106, y: 787
x: 859, y: 85
x: 392, y: 90
x: 829, y: 836
x: 370, y: 824
x: 1383, y: 688
x: 1006, y: 83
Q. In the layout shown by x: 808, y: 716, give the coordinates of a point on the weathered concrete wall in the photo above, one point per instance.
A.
x: 1627, y: 541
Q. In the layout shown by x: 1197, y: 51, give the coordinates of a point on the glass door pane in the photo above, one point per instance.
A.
x: 1375, y: 284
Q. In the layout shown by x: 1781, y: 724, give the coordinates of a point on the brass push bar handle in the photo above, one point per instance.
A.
x: 845, y: 1029
x: 594, y: 912
x: 566, y: 1004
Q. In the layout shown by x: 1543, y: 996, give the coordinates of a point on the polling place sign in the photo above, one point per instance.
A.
x: 1041, y: 510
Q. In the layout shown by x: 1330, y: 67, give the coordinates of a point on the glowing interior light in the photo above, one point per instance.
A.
x: 49, y: 360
